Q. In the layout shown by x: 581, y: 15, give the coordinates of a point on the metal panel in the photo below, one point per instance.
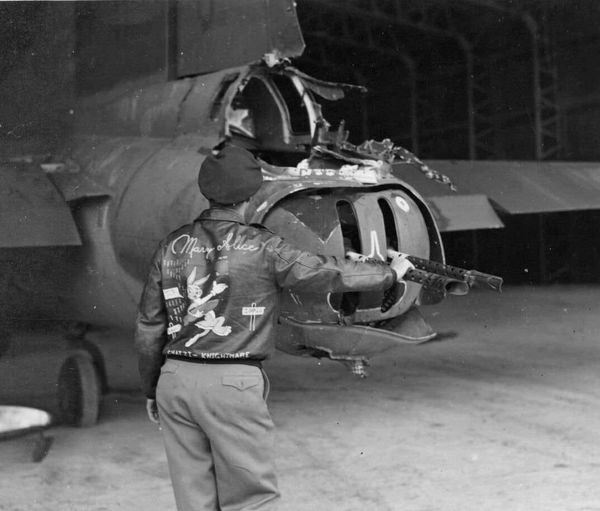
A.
x: 463, y: 212
x: 32, y: 211
x: 517, y: 187
x: 78, y: 186
x: 118, y: 42
x: 219, y: 34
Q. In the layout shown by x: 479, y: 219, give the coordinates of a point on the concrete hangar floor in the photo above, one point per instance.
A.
x: 501, y: 415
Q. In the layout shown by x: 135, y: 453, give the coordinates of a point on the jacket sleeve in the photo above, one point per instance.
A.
x: 311, y: 272
x: 151, y: 328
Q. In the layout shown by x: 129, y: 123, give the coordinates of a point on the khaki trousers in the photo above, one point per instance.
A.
x: 218, y: 436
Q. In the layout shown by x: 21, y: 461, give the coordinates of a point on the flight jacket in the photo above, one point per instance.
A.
x: 212, y: 291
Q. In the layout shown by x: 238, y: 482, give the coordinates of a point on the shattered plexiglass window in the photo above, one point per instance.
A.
x: 299, y: 119
x: 254, y: 113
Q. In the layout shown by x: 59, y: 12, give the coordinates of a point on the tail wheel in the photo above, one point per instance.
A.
x: 79, y: 390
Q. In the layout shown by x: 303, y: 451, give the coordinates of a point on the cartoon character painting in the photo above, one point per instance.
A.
x: 200, y: 311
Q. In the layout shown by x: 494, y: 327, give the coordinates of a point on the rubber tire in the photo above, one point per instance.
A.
x: 79, y: 390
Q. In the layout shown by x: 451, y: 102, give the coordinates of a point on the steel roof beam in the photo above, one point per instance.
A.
x: 546, y: 112
x: 401, y: 14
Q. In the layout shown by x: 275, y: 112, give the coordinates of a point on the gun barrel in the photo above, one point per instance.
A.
x: 485, y: 279
x: 470, y: 277
x: 441, y: 283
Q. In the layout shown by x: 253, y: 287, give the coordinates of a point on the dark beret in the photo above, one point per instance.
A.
x: 233, y: 175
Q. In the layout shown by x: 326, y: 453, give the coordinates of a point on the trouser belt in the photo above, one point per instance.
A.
x: 198, y: 360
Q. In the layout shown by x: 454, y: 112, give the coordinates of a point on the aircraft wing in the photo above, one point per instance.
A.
x: 486, y: 189
x: 32, y: 211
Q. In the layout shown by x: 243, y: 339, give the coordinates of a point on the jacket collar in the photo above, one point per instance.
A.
x: 222, y: 214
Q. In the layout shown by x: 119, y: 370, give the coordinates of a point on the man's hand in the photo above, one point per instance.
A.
x: 400, y: 264
x: 152, y: 411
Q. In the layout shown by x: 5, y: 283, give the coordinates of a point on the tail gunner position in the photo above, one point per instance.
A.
x: 206, y: 322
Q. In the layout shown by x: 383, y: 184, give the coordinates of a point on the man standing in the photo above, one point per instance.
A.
x: 200, y: 359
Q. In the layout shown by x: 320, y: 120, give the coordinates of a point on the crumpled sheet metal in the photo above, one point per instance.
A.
x: 331, y: 91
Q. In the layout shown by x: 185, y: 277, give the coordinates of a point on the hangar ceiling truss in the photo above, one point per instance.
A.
x: 394, y: 29
x: 533, y: 15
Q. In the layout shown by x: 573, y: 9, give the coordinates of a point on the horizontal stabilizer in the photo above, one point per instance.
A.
x: 486, y: 189
x: 460, y: 212
x: 521, y: 187
x: 32, y: 211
